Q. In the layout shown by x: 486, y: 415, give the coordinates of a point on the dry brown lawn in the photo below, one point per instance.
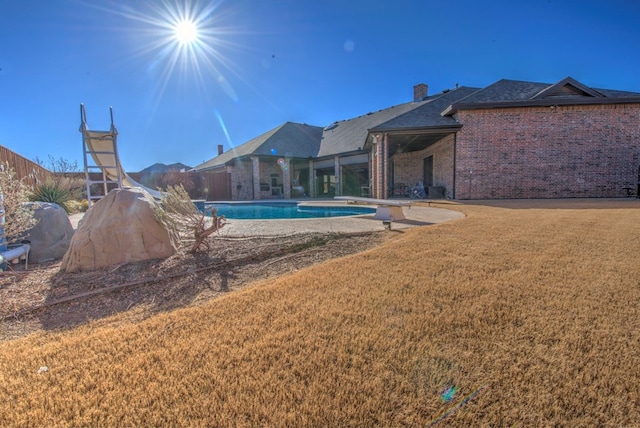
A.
x: 532, y: 316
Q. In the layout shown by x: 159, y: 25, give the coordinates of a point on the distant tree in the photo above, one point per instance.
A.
x: 60, y: 165
x: 174, y: 178
x: 18, y: 216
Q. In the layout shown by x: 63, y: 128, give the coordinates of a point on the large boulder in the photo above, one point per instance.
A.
x: 120, y: 228
x: 51, y: 236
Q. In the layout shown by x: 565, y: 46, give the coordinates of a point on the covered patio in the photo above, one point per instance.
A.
x: 400, y: 159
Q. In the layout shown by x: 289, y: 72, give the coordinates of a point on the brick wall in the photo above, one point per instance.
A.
x: 548, y: 152
x: 241, y: 176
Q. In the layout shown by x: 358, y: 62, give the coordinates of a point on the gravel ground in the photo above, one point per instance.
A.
x: 43, y: 298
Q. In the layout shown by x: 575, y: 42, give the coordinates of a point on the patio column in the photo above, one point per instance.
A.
x: 286, y: 178
x: 312, y: 180
x: 379, y: 167
x: 338, y: 173
x: 385, y: 166
x: 255, y: 168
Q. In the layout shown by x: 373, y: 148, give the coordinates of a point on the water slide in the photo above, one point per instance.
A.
x: 102, y: 147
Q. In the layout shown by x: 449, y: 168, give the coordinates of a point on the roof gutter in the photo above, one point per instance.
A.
x: 547, y: 102
x: 418, y: 130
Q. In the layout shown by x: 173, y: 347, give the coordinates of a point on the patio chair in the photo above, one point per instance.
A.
x: 417, y: 192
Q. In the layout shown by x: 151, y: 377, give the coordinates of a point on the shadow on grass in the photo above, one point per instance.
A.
x: 79, y: 298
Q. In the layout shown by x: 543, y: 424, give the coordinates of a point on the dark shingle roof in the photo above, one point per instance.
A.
x: 506, y: 90
x: 428, y: 114
x: 618, y: 94
x: 505, y: 93
x: 349, y: 135
x: 293, y: 140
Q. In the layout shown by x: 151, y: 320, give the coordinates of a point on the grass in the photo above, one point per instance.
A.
x: 531, y: 315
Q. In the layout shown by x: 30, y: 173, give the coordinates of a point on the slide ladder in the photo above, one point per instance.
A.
x: 100, y: 152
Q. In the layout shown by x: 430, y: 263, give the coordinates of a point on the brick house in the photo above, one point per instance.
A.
x: 270, y: 165
x: 512, y: 139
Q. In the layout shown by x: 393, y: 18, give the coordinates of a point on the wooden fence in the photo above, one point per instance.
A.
x: 25, y: 169
x: 199, y: 185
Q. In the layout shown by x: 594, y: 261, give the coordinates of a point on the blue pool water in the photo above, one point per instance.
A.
x: 283, y: 210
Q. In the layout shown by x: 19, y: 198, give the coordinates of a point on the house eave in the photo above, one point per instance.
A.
x: 546, y: 102
x: 417, y: 130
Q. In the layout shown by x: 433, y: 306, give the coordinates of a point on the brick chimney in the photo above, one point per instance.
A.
x: 420, y: 91
x: 220, y: 149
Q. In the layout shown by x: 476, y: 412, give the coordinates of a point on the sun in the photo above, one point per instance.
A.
x: 186, y: 32
x: 184, y: 40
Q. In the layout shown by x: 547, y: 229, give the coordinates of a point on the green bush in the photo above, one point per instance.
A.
x: 50, y: 192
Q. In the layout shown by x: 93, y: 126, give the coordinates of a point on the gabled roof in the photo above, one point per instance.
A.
x: 567, y: 87
x: 350, y: 135
x: 514, y: 93
x: 291, y: 140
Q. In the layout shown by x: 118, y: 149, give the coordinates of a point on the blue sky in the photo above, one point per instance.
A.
x: 259, y: 63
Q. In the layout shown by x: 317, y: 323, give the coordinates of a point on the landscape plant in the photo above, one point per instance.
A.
x: 51, y: 191
x: 191, y: 224
x: 63, y: 187
x: 18, y: 216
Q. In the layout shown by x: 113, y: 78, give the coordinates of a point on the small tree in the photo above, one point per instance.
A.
x: 187, y: 220
x: 60, y: 165
x: 19, y: 217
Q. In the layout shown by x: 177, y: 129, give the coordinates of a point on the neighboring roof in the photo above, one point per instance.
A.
x: 514, y: 93
x: 291, y: 140
x: 160, y: 167
x: 350, y: 135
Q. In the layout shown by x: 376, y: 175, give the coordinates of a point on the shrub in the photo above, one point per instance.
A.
x: 18, y: 217
x: 63, y: 186
x: 49, y: 191
x: 74, y: 206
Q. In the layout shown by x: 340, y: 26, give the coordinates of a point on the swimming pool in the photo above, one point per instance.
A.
x: 284, y: 210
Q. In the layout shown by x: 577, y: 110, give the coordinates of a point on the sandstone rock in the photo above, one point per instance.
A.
x: 119, y: 228
x: 50, y: 238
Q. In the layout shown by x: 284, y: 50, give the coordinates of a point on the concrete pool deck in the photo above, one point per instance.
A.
x: 416, y: 215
